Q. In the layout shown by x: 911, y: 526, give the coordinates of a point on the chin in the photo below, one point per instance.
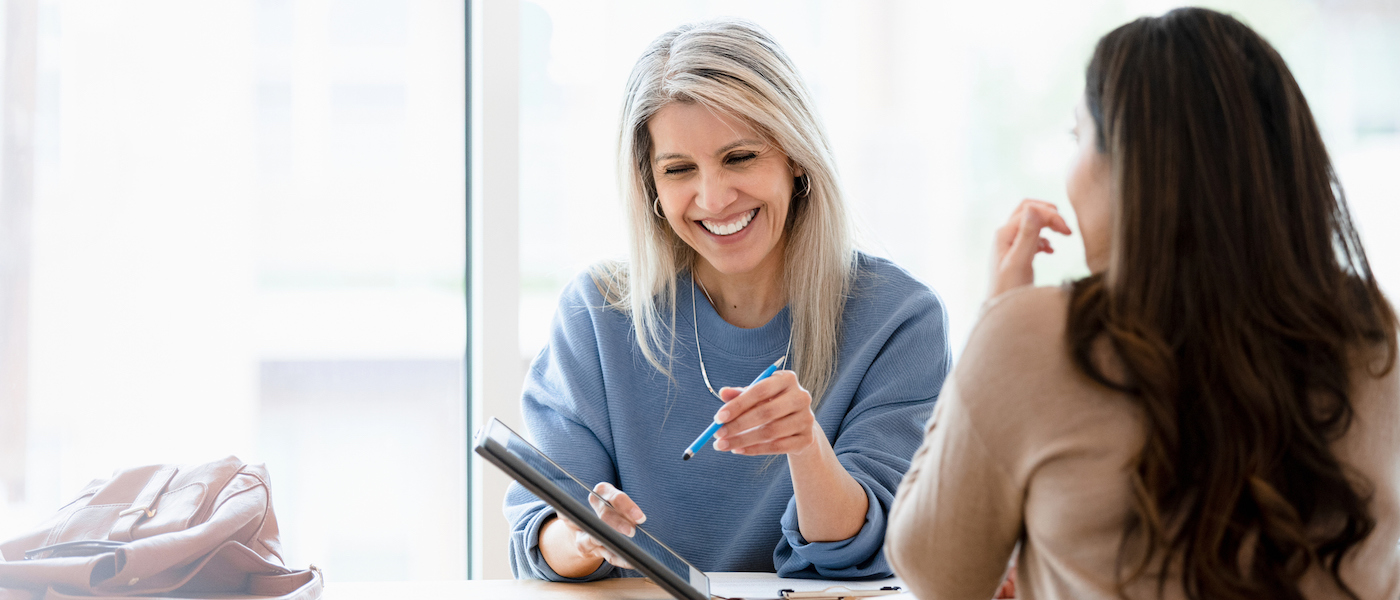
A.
x: 741, y: 256
x: 735, y: 265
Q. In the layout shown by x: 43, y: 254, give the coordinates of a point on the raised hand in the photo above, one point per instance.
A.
x: 773, y: 416
x: 1018, y: 241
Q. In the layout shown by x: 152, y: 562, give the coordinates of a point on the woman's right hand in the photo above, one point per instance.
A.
x: 572, y: 552
x: 1018, y: 241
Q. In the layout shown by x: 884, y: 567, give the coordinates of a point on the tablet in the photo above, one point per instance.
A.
x: 542, y: 477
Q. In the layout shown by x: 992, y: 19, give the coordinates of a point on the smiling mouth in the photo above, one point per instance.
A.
x: 732, y: 227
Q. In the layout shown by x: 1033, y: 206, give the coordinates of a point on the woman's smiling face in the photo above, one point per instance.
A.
x: 723, y: 190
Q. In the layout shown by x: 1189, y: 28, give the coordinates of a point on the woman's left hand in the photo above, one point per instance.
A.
x: 773, y: 416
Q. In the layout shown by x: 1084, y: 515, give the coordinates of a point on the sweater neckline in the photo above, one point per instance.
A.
x: 715, y: 332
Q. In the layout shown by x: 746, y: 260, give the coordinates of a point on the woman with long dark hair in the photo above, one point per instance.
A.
x: 1215, y: 411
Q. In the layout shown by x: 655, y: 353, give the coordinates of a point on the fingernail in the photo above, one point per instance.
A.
x: 722, y: 416
x: 721, y: 445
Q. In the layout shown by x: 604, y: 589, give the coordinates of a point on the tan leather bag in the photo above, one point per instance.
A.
x: 162, y: 530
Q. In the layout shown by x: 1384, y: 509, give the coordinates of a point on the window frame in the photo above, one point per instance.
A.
x: 494, y: 371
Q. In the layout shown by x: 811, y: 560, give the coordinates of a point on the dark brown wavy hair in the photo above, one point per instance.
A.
x: 1236, y: 295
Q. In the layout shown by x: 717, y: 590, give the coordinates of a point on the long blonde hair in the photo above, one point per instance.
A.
x: 735, y: 68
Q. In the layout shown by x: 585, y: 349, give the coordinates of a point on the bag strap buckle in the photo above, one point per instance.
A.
x: 141, y: 505
x: 137, y: 510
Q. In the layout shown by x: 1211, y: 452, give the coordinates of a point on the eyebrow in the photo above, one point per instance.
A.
x: 726, y: 148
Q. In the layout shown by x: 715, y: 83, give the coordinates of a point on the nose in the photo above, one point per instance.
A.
x: 715, y: 193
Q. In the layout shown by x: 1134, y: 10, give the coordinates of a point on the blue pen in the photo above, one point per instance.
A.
x: 714, y: 427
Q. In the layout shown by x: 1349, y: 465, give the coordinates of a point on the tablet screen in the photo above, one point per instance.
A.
x: 526, y: 453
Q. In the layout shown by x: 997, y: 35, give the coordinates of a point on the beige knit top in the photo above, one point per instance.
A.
x: 1024, y: 448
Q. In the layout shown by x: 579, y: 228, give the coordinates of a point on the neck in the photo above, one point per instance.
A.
x: 745, y: 300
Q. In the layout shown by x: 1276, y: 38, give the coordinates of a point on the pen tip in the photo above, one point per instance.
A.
x: 686, y: 456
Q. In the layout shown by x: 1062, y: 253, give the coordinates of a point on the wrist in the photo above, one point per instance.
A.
x: 815, y: 451
x: 559, y: 551
x: 831, y: 504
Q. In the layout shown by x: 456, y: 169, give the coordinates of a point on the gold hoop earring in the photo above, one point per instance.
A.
x: 656, y: 208
x: 805, y: 187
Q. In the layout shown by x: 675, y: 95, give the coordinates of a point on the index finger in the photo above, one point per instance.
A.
x: 754, y: 394
x: 1049, y: 216
x: 1025, y: 205
x: 618, y: 501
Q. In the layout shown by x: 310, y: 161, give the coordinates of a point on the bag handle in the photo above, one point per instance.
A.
x: 142, y: 507
x: 73, y: 548
x: 283, y: 586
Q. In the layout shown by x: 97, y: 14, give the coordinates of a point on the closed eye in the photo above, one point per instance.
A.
x: 742, y: 157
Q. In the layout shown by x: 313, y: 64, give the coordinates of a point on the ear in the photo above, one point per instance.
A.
x: 801, y: 183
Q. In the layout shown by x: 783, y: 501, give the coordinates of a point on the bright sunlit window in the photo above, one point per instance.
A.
x: 244, y: 235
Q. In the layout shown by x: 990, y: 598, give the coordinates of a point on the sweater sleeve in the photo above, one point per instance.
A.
x: 957, y: 518
x: 877, y: 436
x: 566, y: 415
x: 958, y: 514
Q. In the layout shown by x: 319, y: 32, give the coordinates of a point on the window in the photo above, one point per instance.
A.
x: 244, y: 234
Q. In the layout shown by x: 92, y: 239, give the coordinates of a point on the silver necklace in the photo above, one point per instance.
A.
x: 787, y: 364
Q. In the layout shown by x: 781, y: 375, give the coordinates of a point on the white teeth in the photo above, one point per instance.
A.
x: 731, y: 228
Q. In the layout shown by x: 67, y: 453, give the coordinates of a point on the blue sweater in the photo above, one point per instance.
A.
x: 596, y: 406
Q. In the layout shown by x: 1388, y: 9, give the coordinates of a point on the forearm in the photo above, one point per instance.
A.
x: 559, y: 550
x: 831, y: 504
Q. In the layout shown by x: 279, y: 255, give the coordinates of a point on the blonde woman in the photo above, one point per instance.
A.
x: 741, y: 253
